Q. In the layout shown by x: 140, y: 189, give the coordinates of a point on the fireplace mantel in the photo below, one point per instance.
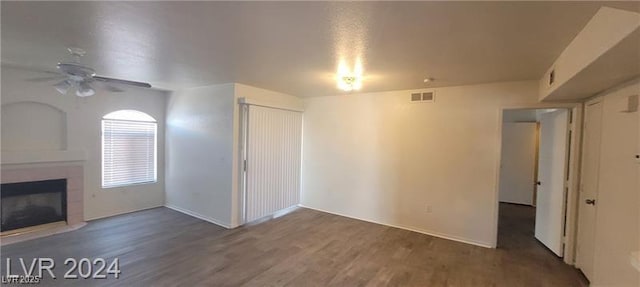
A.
x: 43, y: 156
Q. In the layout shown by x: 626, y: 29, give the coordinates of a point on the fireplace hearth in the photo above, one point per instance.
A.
x: 33, y: 203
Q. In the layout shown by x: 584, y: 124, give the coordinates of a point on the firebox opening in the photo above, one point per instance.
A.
x: 33, y: 203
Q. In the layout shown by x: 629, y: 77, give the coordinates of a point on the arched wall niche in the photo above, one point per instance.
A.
x: 33, y: 126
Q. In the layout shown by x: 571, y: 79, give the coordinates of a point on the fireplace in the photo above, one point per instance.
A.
x: 47, y: 194
x: 26, y: 204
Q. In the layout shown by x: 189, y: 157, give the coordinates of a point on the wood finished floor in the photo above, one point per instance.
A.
x: 161, y: 247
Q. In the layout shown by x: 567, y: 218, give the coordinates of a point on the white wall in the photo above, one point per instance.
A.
x: 47, y: 130
x: 82, y: 132
x: 199, y: 152
x: 519, y: 144
x: 518, y: 162
x: 203, y: 149
x: 618, y: 202
x: 521, y: 115
x: 380, y: 158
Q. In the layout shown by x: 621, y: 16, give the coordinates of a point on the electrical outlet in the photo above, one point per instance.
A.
x: 427, y: 208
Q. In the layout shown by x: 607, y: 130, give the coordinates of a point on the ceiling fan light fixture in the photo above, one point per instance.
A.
x: 62, y: 87
x: 85, y: 90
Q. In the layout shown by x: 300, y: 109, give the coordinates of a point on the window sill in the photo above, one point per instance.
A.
x: 129, y: 184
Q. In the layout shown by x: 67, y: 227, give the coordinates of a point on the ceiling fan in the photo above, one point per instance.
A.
x: 80, y: 78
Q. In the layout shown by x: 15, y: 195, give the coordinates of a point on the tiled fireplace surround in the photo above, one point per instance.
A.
x: 75, y: 193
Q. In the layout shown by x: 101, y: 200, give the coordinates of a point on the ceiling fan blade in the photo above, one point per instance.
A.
x: 29, y: 68
x: 46, y: 79
x: 124, y: 82
x: 108, y: 87
x: 113, y: 89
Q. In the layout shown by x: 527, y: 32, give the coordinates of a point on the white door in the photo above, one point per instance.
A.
x: 552, y: 159
x: 273, y: 154
x: 518, y: 160
x: 589, y: 188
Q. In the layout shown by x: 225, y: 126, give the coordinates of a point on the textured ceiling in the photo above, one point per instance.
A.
x: 294, y: 47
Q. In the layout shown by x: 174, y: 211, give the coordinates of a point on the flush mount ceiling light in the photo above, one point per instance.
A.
x: 349, y: 83
x: 349, y: 80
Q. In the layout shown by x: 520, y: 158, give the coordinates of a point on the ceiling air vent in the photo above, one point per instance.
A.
x: 425, y: 97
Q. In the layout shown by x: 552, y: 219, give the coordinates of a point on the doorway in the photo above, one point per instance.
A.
x: 533, y: 181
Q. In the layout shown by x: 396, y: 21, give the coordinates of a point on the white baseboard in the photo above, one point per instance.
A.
x: 517, y: 203
x: 279, y: 213
x: 427, y: 232
x: 198, y: 216
x: 122, y: 212
x: 285, y: 211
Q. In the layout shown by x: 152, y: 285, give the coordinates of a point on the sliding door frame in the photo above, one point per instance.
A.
x: 244, y: 138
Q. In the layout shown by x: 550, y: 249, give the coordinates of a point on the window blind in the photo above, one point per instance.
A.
x: 128, y: 152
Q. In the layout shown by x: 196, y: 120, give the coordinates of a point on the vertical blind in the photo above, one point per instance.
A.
x: 274, y: 147
x: 128, y: 152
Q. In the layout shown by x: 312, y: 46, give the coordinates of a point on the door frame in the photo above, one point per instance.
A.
x: 575, y: 140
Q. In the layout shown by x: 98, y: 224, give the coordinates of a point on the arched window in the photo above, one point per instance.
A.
x: 129, y: 140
